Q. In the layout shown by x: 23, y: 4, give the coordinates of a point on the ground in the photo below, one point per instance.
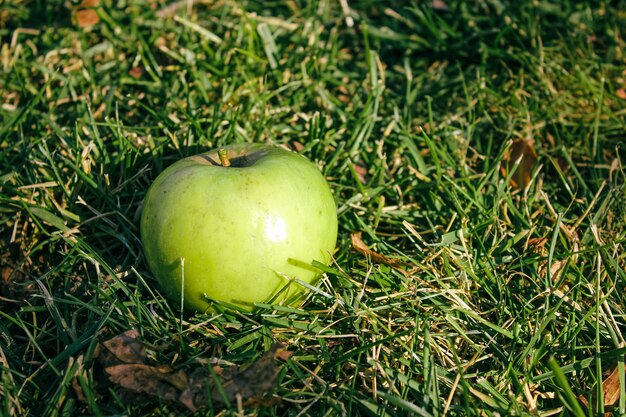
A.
x: 474, y: 149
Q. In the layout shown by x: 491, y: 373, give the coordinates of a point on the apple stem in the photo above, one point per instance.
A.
x: 224, y: 159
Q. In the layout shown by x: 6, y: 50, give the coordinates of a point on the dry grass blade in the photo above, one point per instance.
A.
x: 78, y: 390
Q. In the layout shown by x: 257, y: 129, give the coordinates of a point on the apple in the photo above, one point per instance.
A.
x: 238, y: 225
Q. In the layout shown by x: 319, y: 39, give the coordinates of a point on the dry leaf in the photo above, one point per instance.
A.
x: 439, y: 5
x: 86, y: 17
x: 123, y: 348
x: 136, y: 72
x: 250, y: 383
x: 363, y: 249
x: 84, y: 14
x: 621, y: 93
x: 124, y: 358
x: 161, y: 382
x: 280, y: 352
x: 9, y: 276
x: 18, y: 265
x: 361, y: 172
x: 555, y: 271
x: 610, y: 388
x: 521, y: 150
x: 296, y: 146
x: 610, y: 391
x: 537, y: 244
x: 89, y: 3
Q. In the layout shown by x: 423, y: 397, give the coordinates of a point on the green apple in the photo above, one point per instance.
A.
x: 238, y: 225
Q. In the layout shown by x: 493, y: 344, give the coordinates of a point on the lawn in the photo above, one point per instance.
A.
x: 475, y: 153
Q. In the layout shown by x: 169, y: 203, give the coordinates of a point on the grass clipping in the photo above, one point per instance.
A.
x: 124, y: 360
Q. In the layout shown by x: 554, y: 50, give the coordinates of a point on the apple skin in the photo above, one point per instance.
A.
x: 238, y: 234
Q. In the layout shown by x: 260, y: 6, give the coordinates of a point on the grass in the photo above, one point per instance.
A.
x: 510, y: 301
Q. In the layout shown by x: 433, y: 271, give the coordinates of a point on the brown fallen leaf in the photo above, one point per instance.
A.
x: 363, y: 249
x: 84, y: 14
x: 296, y: 146
x: 18, y: 266
x: 521, y: 150
x: 9, y: 276
x: 556, y: 269
x: 89, y: 3
x: 158, y: 381
x: 439, y: 5
x: 610, y: 388
x: 136, y: 72
x: 86, y: 17
x: 123, y: 348
x: 610, y: 392
x: 361, y: 172
x: 124, y: 361
x: 537, y: 244
x: 250, y: 383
